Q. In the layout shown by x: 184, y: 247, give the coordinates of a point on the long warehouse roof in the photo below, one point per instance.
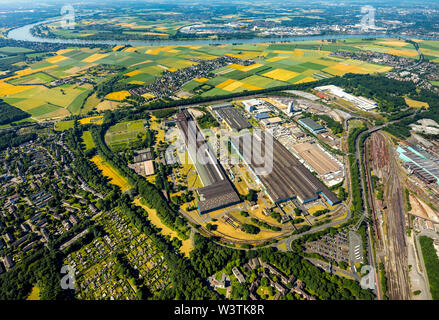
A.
x: 288, y: 178
x: 218, y: 192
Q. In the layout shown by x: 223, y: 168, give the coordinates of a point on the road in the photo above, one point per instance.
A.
x: 334, y: 270
x: 290, y: 239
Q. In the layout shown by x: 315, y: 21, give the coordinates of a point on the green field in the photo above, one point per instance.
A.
x: 88, y: 140
x: 121, y: 134
x: 274, y: 65
x: 36, y: 78
x: 14, y: 50
x: 431, y: 260
x: 64, y: 125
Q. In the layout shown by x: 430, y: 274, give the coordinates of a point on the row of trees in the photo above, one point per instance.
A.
x: 431, y: 260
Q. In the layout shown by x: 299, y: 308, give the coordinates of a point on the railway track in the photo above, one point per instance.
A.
x: 370, y: 190
x: 395, y: 240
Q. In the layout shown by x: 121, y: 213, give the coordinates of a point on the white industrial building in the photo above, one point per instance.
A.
x: 361, y: 102
x: 253, y: 104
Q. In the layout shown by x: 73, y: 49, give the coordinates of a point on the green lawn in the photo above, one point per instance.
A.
x: 64, y: 125
x: 123, y: 133
x: 14, y: 50
x: 431, y: 260
x: 88, y: 140
x: 75, y: 106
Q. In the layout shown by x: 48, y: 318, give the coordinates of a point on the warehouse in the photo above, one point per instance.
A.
x: 233, y: 119
x: 218, y: 192
x: 261, y: 115
x: 312, y: 125
x: 252, y: 104
x: 288, y: 179
x: 424, y: 164
x: 271, y: 122
x: 361, y: 102
x: 317, y: 158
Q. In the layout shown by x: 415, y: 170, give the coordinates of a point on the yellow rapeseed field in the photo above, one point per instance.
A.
x: 305, y: 80
x: 7, y: 89
x: 245, y: 68
x: 397, y: 52
x: 56, y: 59
x: 89, y: 120
x: 133, y: 73
x: 108, y: 171
x: 62, y: 51
x: 148, y: 95
x: 281, y: 74
x: 393, y: 43
x: 118, y: 96
x: 117, y: 47
x: 225, y: 83
x: 95, y: 57
x: 276, y: 59
x: 231, y: 85
x: 201, y: 79
x: 416, y: 104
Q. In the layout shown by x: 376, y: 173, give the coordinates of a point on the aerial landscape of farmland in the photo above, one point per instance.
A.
x: 219, y: 151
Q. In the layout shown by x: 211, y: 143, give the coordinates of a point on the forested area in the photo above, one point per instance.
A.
x: 209, y: 258
x: 13, y: 139
x: 10, y: 113
x: 401, y: 129
x: 388, y: 93
x: 335, y: 126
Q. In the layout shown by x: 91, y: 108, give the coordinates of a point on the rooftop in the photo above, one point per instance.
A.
x: 234, y: 119
x: 288, y: 178
x: 311, y: 124
x: 218, y: 192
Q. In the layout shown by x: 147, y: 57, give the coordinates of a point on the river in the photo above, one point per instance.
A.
x: 24, y: 34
